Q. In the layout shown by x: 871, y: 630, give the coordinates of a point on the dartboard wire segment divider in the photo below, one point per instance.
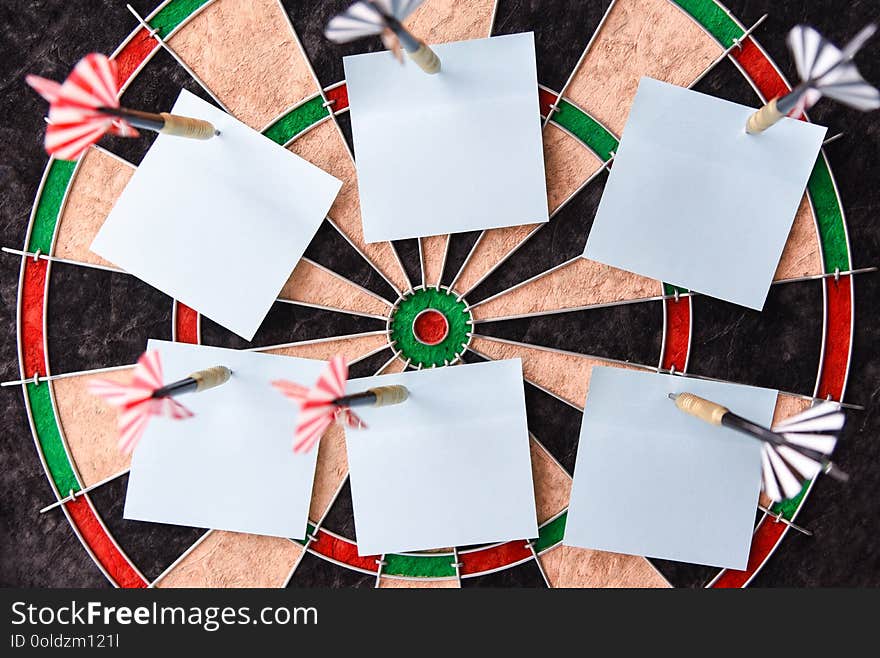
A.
x: 581, y: 128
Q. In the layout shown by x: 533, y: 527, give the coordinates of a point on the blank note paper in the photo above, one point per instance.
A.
x: 218, y: 224
x: 457, y: 151
x: 448, y: 467
x: 232, y: 465
x: 651, y: 480
x: 694, y: 201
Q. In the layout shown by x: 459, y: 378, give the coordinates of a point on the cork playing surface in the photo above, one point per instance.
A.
x: 432, y: 302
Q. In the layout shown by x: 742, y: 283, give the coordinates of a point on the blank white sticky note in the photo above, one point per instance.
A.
x: 232, y: 465
x: 448, y: 467
x: 457, y: 151
x: 651, y: 480
x: 695, y: 201
x: 218, y: 224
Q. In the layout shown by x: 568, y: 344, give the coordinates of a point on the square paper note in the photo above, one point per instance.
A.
x: 448, y: 467
x: 232, y: 465
x: 652, y: 480
x: 218, y: 224
x: 695, y: 201
x: 456, y: 151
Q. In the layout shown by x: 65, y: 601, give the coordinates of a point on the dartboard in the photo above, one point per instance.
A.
x: 432, y: 302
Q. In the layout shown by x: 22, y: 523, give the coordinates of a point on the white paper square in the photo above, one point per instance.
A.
x: 450, y: 466
x: 695, y: 201
x: 232, y: 465
x: 456, y: 151
x: 218, y: 224
x: 651, y: 480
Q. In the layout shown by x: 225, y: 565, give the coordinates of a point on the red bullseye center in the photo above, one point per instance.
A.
x: 430, y: 327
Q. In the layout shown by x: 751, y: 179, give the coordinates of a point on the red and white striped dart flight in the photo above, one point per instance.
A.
x: 317, y: 407
x: 74, y: 120
x: 136, y: 402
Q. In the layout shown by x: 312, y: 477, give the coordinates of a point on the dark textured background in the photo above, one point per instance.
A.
x: 776, y: 348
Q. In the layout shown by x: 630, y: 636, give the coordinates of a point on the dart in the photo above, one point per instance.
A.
x: 792, y: 452
x: 85, y: 107
x: 383, y: 17
x: 326, y: 403
x: 147, y: 396
x: 824, y: 70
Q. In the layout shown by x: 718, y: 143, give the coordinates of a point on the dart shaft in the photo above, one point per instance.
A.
x: 380, y: 396
x: 785, y: 104
x: 179, y: 387
x: 409, y: 42
x: 762, y: 433
x: 833, y: 471
x: 200, y: 380
x: 145, y: 120
x: 850, y: 49
x: 769, y: 436
x: 168, y: 124
x: 363, y: 399
x: 746, y: 426
x: 418, y: 50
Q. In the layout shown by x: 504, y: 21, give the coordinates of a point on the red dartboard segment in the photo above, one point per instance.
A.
x: 33, y: 289
x: 342, y: 550
x: 677, y: 337
x: 103, y: 548
x: 128, y: 60
x: 546, y: 98
x: 186, y: 324
x: 339, y: 96
x: 762, y: 72
x: 494, y: 557
x: 837, y: 338
x: 764, y: 541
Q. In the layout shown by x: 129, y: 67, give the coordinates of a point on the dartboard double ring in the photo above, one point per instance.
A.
x: 431, y: 302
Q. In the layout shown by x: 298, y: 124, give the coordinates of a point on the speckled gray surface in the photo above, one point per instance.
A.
x: 408, y: 252
x: 340, y: 516
x: 778, y: 347
x: 556, y: 424
x: 369, y: 366
x: 460, y: 245
x: 96, y: 319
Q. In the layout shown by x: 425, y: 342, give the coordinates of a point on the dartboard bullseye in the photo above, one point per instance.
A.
x: 430, y: 327
x: 518, y: 291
